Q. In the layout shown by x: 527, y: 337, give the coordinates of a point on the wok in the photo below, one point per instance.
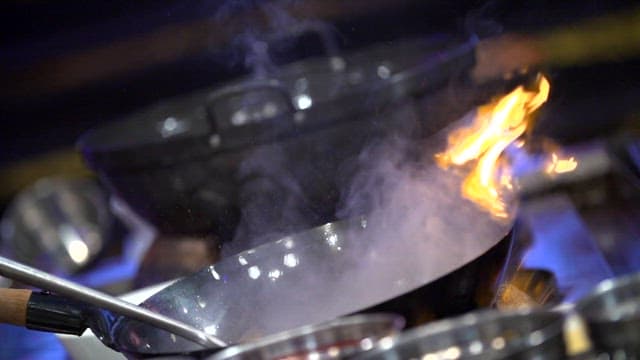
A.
x: 422, y: 252
x: 336, y: 269
x: 480, y: 335
x: 82, y: 308
x: 277, y: 287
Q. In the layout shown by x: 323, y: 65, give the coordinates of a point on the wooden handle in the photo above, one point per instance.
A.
x: 13, y: 306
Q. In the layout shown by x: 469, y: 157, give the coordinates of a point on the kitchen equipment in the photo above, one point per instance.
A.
x: 177, y: 163
x: 43, y: 311
x: 483, y: 335
x: 314, y: 276
x: 58, y: 224
x: 236, y: 315
x: 88, y: 346
x: 275, y: 287
x: 339, y: 338
x: 612, y: 314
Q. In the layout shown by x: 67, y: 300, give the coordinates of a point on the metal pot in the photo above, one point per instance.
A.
x: 612, y: 314
x: 176, y: 163
x: 339, y: 338
x: 483, y: 335
x: 313, y: 277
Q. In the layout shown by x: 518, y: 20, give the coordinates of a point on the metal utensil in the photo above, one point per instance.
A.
x: 37, y: 278
x: 612, y: 314
x: 483, y: 335
x: 335, y: 339
x: 306, y: 278
x: 58, y: 224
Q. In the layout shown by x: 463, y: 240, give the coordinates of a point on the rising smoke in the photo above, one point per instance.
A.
x: 393, y: 180
x: 273, y: 201
x: 418, y: 230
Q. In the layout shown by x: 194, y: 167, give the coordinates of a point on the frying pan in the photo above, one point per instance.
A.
x: 302, y: 279
x: 421, y: 251
x: 333, y: 270
x: 83, y: 308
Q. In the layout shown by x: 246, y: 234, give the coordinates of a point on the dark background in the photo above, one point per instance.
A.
x: 68, y: 66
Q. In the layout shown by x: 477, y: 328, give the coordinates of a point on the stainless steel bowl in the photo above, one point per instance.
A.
x: 57, y: 224
x: 482, y: 335
x: 335, y: 339
x: 612, y: 314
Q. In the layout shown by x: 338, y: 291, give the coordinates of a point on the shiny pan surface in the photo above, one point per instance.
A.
x: 482, y: 335
x: 307, y: 278
x: 334, y: 339
x: 612, y: 314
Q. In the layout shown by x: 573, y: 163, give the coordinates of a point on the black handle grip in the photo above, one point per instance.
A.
x: 52, y: 313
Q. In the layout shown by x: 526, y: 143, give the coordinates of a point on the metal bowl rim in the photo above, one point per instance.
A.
x: 396, y: 322
x: 469, y: 320
x: 603, y: 289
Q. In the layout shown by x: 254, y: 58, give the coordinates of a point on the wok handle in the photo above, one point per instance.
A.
x: 13, y: 306
x: 52, y: 313
x: 41, y: 311
x: 26, y: 274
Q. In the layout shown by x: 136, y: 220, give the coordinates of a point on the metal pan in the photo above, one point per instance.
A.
x: 312, y: 277
x: 335, y: 339
x: 177, y: 163
x: 612, y: 314
x: 268, y: 289
x: 483, y: 335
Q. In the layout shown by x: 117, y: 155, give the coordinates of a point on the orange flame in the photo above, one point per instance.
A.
x: 558, y: 166
x: 495, y: 126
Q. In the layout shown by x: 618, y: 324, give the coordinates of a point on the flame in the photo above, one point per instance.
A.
x: 558, y: 166
x: 495, y: 126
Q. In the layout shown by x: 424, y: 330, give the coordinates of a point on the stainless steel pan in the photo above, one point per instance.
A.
x: 311, y: 277
x: 306, y: 278
x: 423, y: 244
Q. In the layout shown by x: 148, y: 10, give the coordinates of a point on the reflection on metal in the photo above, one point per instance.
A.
x: 214, y: 273
x: 612, y: 314
x: 239, y: 118
x: 576, y: 335
x: 254, y: 272
x: 211, y: 330
x: 57, y: 224
x: 242, y: 260
x: 291, y: 260
x: 383, y: 72
x: 172, y: 126
x: 270, y: 295
x: 302, y: 101
x: 274, y: 274
x: 482, y: 335
x: 337, y: 339
x: 332, y: 239
x: 78, y: 251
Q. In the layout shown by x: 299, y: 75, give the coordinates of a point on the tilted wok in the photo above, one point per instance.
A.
x: 314, y: 276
